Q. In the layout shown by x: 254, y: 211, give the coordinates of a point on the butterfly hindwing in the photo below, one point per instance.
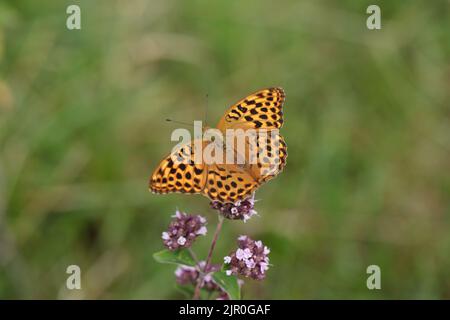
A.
x: 229, y: 183
x: 179, y: 173
x: 271, y: 154
x: 262, y: 109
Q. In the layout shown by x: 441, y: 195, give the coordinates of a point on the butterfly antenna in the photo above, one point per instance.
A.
x: 206, y: 109
x: 180, y: 122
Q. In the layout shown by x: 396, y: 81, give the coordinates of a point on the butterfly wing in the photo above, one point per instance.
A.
x: 229, y: 183
x: 262, y: 109
x: 222, y: 182
x: 178, y: 172
x: 271, y: 154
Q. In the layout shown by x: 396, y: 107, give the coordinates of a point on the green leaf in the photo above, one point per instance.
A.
x: 176, y: 257
x: 228, y: 283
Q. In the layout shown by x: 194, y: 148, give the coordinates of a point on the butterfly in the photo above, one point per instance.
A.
x: 230, y: 182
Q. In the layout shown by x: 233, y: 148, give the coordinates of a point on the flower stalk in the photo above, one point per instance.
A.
x: 208, y: 259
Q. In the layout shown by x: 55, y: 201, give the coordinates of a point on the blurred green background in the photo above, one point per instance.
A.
x: 366, y: 122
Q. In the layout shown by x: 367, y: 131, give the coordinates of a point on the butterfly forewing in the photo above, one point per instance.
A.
x: 260, y: 113
x: 262, y: 109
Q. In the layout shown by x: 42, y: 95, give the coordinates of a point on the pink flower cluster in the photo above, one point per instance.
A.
x: 249, y: 260
x: 241, y: 210
x: 183, y: 230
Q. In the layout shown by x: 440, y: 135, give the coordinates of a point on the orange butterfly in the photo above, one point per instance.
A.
x: 229, y: 182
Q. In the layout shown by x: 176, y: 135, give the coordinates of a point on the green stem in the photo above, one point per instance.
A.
x: 208, y: 259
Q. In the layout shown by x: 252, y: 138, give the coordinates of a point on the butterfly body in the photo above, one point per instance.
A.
x: 262, y: 156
